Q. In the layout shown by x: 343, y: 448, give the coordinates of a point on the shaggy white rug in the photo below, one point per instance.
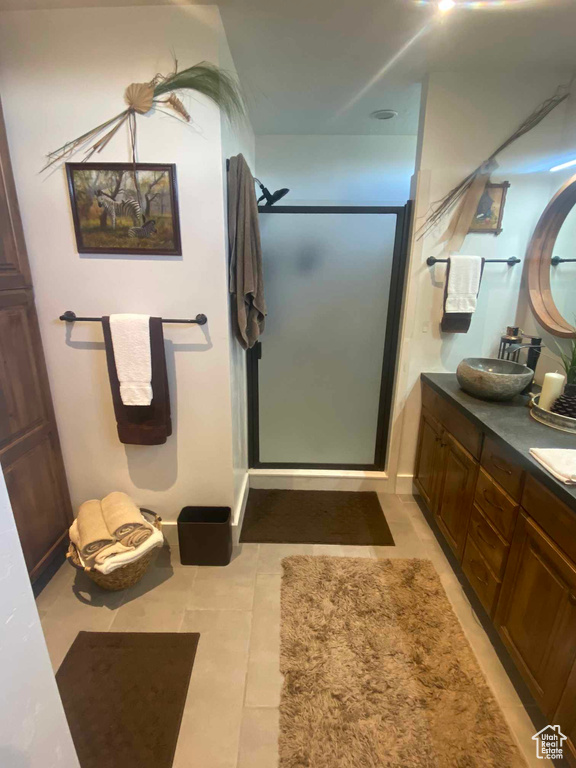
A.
x: 378, y: 673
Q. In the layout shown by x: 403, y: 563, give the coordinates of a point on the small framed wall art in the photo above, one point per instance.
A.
x: 125, y: 208
x: 488, y: 216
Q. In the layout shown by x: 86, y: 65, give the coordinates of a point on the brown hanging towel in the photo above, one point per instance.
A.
x: 246, y: 277
x: 142, y: 424
x: 456, y: 322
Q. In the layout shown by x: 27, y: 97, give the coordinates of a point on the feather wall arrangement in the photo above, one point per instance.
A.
x: 465, y: 196
x: 160, y: 94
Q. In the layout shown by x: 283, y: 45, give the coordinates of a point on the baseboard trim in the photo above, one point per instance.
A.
x: 320, y: 480
x: 240, y: 509
x: 405, y: 484
x: 170, y: 531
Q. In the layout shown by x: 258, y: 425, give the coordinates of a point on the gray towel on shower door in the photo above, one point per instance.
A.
x: 246, y: 281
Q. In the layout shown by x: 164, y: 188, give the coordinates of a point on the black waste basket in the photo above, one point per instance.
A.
x: 205, y: 535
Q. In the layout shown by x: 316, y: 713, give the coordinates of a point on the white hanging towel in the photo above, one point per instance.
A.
x: 131, y: 343
x: 463, y: 283
x: 560, y: 462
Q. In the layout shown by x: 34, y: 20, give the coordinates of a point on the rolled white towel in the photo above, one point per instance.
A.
x: 560, y: 462
x: 109, y: 565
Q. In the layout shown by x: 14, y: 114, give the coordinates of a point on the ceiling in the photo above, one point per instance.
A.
x: 322, y: 66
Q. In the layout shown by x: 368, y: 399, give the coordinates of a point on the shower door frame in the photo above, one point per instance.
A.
x: 393, y: 317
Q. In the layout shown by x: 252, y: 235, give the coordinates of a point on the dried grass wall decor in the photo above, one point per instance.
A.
x: 465, y: 195
x: 160, y: 94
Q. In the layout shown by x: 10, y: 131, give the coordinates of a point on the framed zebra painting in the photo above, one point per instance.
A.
x: 122, y: 208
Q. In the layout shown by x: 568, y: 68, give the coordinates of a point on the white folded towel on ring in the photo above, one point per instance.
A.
x: 133, y: 358
x: 463, y: 283
x: 560, y: 462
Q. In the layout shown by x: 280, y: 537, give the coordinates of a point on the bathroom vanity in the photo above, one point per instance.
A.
x: 511, y: 526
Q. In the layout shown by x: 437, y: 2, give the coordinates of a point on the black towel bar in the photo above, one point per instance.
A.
x: 555, y: 260
x: 71, y: 317
x: 431, y: 260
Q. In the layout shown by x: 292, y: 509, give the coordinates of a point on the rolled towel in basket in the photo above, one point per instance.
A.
x: 111, y: 564
x: 90, y: 530
x: 124, y: 520
x: 102, y: 554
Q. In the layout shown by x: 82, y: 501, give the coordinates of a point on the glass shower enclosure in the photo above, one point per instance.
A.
x: 320, y: 379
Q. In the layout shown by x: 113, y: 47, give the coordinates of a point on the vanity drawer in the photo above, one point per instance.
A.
x: 453, y: 421
x: 431, y: 400
x: 497, y: 462
x: 555, y: 517
x: 487, y: 539
x: 481, y: 578
x: 498, y: 507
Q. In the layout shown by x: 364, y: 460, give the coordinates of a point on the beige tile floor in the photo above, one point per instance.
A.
x: 231, y: 714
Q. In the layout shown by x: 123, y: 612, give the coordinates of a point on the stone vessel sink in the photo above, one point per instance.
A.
x: 492, y: 379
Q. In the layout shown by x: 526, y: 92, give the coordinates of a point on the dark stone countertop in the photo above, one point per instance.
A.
x: 511, y: 423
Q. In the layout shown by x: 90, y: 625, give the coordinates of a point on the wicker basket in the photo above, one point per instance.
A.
x: 123, y: 577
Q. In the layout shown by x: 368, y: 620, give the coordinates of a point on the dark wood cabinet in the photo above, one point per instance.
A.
x: 516, y: 542
x: 457, y: 483
x: 566, y: 714
x: 429, y: 459
x: 445, y: 475
x: 536, y: 615
x: 30, y: 452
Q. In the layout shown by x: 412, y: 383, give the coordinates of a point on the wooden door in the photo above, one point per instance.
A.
x: 428, y: 459
x: 566, y: 717
x: 30, y: 452
x: 536, y: 614
x: 459, y: 472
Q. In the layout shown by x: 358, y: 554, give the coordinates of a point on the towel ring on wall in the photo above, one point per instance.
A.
x: 539, y: 256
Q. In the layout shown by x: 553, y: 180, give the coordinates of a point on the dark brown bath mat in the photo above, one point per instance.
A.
x: 124, y: 695
x: 315, y: 517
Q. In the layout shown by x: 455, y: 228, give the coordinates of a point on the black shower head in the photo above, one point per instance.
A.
x: 271, y: 197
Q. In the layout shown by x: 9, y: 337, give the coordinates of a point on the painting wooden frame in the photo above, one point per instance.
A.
x: 492, y: 226
x: 104, y: 227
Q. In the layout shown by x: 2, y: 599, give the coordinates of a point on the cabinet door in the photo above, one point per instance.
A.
x: 30, y: 452
x: 566, y: 717
x: 457, y: 492
x: 29, y: 447
x: 536, y: 614
x: 14, y: 269
x: 428, y: 459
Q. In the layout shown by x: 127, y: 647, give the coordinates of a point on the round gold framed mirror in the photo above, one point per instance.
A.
x: 550, y: 291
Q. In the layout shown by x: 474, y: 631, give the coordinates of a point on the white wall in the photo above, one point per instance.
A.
x: 337, y: 170
x: 465, y: 117
x: 33, y: 728
x: 61, y: 73
x: 237, y: 138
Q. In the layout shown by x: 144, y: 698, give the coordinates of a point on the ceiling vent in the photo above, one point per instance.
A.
x: 384, y: 114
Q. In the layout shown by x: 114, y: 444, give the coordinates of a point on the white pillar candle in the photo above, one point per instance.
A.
x: 551, y: 390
